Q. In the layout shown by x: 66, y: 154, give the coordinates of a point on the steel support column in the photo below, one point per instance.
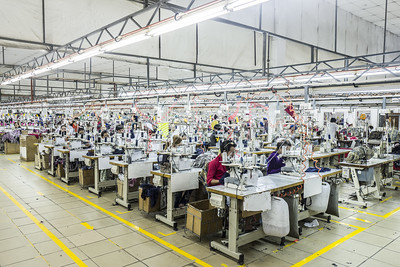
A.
x: 384, y: 31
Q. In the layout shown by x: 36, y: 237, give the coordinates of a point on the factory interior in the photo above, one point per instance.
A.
x: 200, y: 133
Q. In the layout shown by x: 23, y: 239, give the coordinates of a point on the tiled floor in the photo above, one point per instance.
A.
x: 114, y: 243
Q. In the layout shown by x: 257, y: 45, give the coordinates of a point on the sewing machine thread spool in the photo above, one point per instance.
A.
x: 136, y: 143
x: 195, y: 138
x: 105, y: 139
x: 224, y: 157
x: 262, y: 159
x: 254, y: 159
x: 190, y: 139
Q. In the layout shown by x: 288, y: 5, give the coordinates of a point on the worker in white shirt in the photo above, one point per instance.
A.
x: 332, y: 130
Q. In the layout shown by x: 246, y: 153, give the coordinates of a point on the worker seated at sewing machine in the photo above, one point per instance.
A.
x: 275, y: 161
x: 213, y: 138
x: 216, y: 171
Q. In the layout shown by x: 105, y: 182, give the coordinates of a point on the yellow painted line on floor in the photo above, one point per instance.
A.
x: 90, y: 197
x: 386, y: 199
x: 12, y: 161
x: 286, y: 246
x: 109, y: 240
x: 3, y: 169
x: 351, y: 225
x: 341, y: 240
x: 224, y: 265
x: 363, y: 212
x: 75, y: 258
x: 167, y: 234
x: 327, y: 248
x: 123, y: 212
x: 88, y: 226
x: 40, y: 193
x: 361, y: 220
x: 391, y: 213
x: 137, y: 228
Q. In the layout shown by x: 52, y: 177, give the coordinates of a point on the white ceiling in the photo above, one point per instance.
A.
x: 374, y: 11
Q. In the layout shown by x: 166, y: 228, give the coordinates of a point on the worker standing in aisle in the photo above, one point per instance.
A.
x: 332, y: 130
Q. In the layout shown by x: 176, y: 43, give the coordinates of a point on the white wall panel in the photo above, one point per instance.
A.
x: 296, y: 53
x: 351, y: 32
x: 225, y: 45
x: 249, y: 16
x: 21, y: 19
x: 180, y: 45
x: 309, y: 21
x: 268, y: 16
x: 68, y: 20
x: 326, y: 25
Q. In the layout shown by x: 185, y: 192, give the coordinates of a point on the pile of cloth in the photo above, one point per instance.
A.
x: 11, y: 137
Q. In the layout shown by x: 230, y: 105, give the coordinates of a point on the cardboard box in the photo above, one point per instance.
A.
x: 145, y: 205
x: 86, y: 177
x: 60, y: 172
x: 27, y: 149
x: 11, y: 148
x: 202, y: 219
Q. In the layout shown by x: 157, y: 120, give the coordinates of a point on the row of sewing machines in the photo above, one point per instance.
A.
x: 247, y: 191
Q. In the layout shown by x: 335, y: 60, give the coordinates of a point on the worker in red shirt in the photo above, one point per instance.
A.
x: 216, y: 171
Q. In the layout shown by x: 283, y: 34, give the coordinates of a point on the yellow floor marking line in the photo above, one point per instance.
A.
x: 40, y: 193
x: 114, y: 243
x: 88, y: 226
x: 361, y: 220
x: 167, y: 234
x: 224, y: 265
x: 351, y: 225
x: 327, y: 248
x: 137, y: 228
x: 123, y: 212
x: 386, y: 199
x: 90, y: 197
x: 27, y: 239
x: 286, y: 246
x: 391, y: 213
x: 363, y: 212
x: 341, y: 240
x: 75, y: 258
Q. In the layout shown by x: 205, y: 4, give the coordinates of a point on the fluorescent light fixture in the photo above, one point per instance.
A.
x: 90, y: 52
x: 59, y: 64
x: 241, y: 4
x: 185, y: 19
x: 203, y: 13
x: 124, y: 41
x: 196, y: 15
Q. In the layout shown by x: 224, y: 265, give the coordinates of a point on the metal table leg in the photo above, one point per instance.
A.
x: 51, y: 171
x: 232, y: 249
x: 96, y: 190
x: 66, y: 169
